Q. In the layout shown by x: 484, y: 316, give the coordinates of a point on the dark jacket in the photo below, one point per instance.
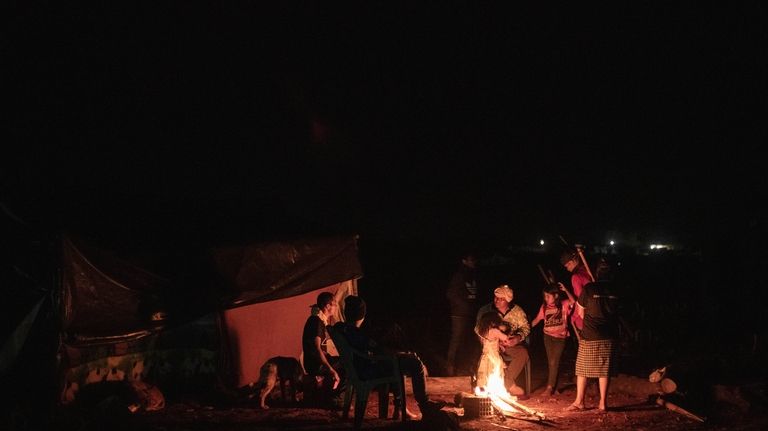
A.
x: 462, y: 292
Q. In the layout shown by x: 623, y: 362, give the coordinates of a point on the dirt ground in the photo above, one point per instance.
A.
x: 631, y: 407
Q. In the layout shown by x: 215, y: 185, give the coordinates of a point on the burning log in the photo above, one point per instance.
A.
x: 675, y: 408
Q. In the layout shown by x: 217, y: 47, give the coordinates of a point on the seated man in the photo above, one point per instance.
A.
x: 317, y: 361
x: 515, y: 354
x: 410, y: 363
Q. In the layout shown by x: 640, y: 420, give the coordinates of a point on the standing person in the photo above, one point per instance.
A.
x: 579, y: 278
x: 515, y: 353
x: 598, y: 305
x: 462, y: 297
x: 317, y: 361
x: 554, y: 312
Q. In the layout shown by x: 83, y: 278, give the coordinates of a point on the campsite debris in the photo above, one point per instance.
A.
x: 675, y: 408
x: 668, y: 386
x: 665, y: 385
x: 657, y: 374
x: 503, y: 426
x: 538, y: 415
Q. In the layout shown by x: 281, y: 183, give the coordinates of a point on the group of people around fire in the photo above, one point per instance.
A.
x: 501, y: 327
x: 589, y: 313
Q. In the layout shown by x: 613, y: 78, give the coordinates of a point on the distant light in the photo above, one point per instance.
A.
x: 612, y: 242
x: 653, y: 246
x: 541, y: 242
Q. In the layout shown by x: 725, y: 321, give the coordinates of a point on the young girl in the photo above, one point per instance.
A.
x: 490, y: 327
x: 554, y: 312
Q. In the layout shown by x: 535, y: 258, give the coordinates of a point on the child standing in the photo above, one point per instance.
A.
x: 554, y: 311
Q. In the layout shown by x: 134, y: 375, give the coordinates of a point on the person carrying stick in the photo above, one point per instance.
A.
x: 596, y: 358
x: 573, y: 261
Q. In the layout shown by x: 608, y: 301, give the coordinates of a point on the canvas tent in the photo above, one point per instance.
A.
x: 272, y: 287
x: 249, y: 304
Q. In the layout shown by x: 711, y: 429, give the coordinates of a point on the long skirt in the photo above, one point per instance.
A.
x: 596, y: 358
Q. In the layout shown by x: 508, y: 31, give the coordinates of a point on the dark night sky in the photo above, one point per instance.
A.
x: 424, y: 120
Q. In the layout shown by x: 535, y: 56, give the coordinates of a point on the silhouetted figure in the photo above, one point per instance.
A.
x: 462, y: 297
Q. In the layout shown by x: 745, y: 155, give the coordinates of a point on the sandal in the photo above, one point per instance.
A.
x: 574, y: 408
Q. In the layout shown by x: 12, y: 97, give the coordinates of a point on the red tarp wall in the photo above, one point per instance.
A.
x: 264, y: 330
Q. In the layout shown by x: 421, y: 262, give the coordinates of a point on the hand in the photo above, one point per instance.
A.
x: 336, y: 378
x: 511, y: 341
x: 561, y: 286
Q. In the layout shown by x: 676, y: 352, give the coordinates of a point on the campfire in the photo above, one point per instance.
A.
x: 501, y: 401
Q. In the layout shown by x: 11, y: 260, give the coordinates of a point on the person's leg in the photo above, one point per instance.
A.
x: 458, y: 329
x: 549, y: 348
x: 411, y: 365
x: 581, y: 379
x: 553, y: 358
x: 603, y: 383
x: 581, y: 386
x: 336, y: 394
x: 517, y: 357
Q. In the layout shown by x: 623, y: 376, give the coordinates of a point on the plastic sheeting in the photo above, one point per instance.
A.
x: 264, y: 330
x: 269, y: 271
x: 104, y: 298
x: 107, y: 300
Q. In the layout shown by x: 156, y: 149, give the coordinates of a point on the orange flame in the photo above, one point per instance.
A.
x: 495, y: 390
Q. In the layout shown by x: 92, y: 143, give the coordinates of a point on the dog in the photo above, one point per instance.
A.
x: 287, y: 371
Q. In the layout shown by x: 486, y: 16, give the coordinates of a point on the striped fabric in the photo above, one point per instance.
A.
x: 596, y: 359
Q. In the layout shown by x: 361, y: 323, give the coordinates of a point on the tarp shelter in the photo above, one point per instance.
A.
x: 105, y: 299
x: 272, y: 287
x: 261, y: 293
x: 115, y: 323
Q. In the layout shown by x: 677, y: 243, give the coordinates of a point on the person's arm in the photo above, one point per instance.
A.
x: 324, y: 360
x: 539, y: 317
x: 495, y: 334
x: 480, y: 312
x: 453, y: 293
x: 519, y: 325
x: 580, y: 305
x: 564, y: 289
x: 525, y: 328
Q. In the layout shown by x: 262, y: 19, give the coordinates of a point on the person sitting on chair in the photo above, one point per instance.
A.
x: 317, y: 361
x: 410, y: 363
